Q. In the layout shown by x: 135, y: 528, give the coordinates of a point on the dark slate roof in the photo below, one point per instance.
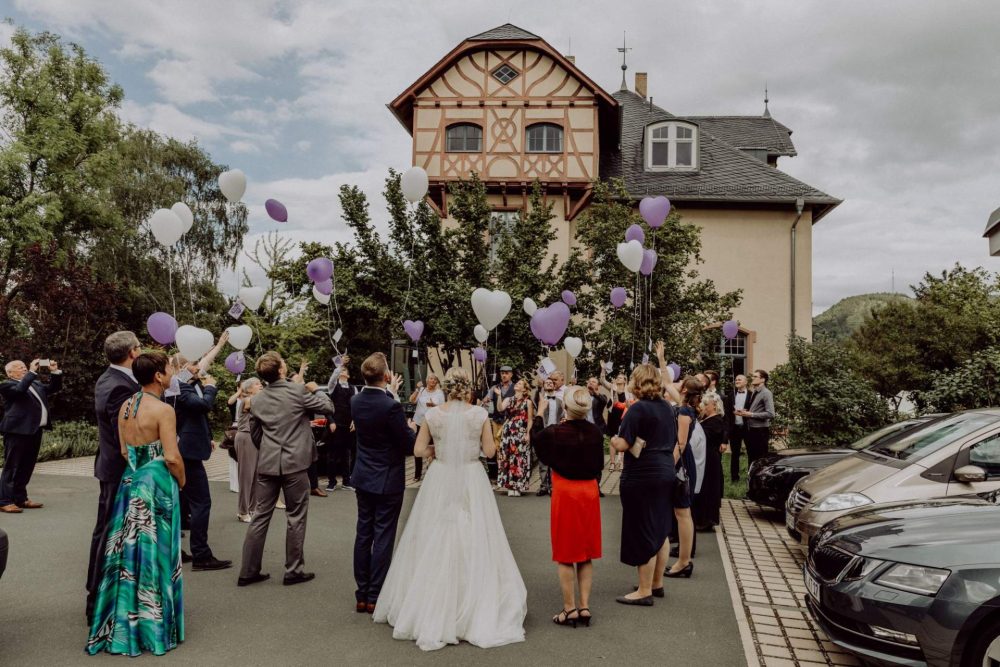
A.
x: 749, y: 132
x: 725, y: 173
x: 992, y: 222
x: 506, y: 31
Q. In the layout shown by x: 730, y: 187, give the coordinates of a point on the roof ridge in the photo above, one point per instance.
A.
x: 506, y: 31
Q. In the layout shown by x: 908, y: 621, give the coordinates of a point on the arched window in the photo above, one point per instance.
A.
x: 545, y: 138
x: 671, y: 145
x: 464, y: 138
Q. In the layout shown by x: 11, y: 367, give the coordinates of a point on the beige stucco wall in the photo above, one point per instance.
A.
x: 751, y: 250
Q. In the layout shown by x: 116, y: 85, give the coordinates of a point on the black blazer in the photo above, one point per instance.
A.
x: 194, y: 433
x: 574, y: 449
x: 384, y: 442
x: 600, y: 403
x: 22, y: 412
x: 113, y: 388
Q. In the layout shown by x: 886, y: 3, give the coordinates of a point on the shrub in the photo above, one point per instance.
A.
x: 67, y: 440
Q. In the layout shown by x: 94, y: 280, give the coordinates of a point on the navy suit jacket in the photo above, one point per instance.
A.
x: 384, y: 442
x: 113, y: 388
x: 194, y: 433
x: 22, y: 413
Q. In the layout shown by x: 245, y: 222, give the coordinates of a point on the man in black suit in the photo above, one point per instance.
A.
x: 599, y: 402
x: 193, y: 405
x: 26, y: 414
x: 736, y: 426
x: 384, y: 442
x: 113, y: 388
x: 341, y: 442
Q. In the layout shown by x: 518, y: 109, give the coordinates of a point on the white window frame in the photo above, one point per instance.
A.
x: 545, y: 124
x: 671, y: 142
x: 447, y: 137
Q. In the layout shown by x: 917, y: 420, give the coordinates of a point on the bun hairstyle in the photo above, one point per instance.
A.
x: 692, y: 388
x: 577, y: 402
x: 457, y: 384
x: 646, y: 382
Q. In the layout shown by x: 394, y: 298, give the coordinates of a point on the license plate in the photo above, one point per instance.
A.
x: 812, y: 586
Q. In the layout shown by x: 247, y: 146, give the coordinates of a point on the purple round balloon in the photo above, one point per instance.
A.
x: 162, y: 327
x: 276, y: 210
x: 413, y: 329
x: 325, y: 287
x: 654, y: 210
x: 549, y: 324
x: 319, y: 269
x: 676, y: 370
x: 635, y: 233
x: 648, y: 261
x: 618, y: 296
x: 730, y: 329
x: 236, y: 363
x: 568, y: 298
x: 479, y: 354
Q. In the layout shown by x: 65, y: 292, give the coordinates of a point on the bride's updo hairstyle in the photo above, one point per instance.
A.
x: 457, y: 384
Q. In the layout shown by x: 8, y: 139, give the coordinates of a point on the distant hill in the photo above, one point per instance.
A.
x: 844, y: 317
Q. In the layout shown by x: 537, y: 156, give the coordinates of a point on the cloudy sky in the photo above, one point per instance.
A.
x: 894, y: 104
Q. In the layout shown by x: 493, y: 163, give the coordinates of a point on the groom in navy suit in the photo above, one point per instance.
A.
x: 384, y: 442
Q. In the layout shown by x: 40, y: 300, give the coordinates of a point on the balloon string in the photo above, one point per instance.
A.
x: 340, y: 322
x: 413, y: 245
x: 170, y: 281
x: 329, y: 325
x: 636, y: 298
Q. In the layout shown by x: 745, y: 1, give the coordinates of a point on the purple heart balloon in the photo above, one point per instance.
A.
x: 549, y: 324
x: 635, y: 233
x: 236, y: 363
x: 568, y: 298
x: 162, y: 327
x: 654, y: 210
x: 276, y: 210
x: 325, y: 287
x: 618, y: 296
x: 319, y: 269
x: 413, y: 329
x: 479, y: 354
x: 730, y: 329
x: 648, y: 261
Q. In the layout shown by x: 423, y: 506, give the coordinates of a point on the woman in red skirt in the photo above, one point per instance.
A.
x: 574, y: 450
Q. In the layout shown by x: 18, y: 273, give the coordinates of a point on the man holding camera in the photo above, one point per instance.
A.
x: 26, y: 414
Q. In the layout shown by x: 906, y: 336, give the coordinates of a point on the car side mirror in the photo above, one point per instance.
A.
x: 970, y: 474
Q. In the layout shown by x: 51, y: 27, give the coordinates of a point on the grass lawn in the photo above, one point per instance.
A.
x: 739, y: 489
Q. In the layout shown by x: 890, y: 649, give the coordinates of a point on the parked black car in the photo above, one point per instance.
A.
x: 911, y: 583
x: 771, y: 478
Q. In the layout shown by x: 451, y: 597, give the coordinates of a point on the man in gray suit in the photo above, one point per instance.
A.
x: 279, y: 427
x: 758, y: 417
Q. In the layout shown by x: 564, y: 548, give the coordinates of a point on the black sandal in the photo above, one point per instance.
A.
x: 562, y: 618
x: 584, y: 620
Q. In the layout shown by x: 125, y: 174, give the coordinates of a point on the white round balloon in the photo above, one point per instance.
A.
x: 252, y: 297
x: 233, y: 184
x: 481, y: 333
x: 490, y: 307
x: 319, y: 296
x: 573, y: 345
x: 530, y: 307
x: 240, y: 336
x: 630, y: 254
x: 167, y: 228
x: 182, y: 211
x: 414, y: 184
x: 193, y: 342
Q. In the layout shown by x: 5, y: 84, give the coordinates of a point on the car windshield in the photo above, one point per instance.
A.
x: 884, y: 433
x: 917, y: 444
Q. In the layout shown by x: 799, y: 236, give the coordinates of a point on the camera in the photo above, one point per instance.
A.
x: 44, y: 363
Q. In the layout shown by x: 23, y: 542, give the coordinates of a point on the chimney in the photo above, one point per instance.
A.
x: 640, y: 84
x: 572, y: 59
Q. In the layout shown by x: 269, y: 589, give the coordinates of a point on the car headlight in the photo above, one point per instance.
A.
x: 841, y: 501
x: 914, y: 578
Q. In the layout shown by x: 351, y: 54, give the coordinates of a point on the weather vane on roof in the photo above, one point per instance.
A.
x: 624, y: 50
x: 767, y: 112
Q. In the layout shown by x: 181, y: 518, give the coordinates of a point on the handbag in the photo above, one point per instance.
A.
x: 229, y: 437
x: 682, y: 487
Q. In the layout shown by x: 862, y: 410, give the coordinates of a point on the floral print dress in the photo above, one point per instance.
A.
x: 514, y: 457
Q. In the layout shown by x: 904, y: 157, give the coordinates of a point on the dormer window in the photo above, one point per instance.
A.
x: 464, y: 138
x: 545, y: 138
x: 671, y: 145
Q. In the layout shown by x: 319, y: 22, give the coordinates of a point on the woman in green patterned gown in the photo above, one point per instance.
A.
x: 140, y: 598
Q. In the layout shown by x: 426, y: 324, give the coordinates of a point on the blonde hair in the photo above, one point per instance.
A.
x: 577, y: 402
x: 457, y: 384
x: 646, y: 382
x: 712, y: 397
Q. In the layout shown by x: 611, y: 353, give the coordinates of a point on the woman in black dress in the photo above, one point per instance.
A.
x: 708, y: 502
x: 647, y: 484
x: 621, y: 398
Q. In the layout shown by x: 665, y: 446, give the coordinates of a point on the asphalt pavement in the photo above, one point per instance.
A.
x: 42, y: 596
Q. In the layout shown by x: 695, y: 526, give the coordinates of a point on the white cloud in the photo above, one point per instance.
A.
x: 168, y: 119
x: 244, y: 147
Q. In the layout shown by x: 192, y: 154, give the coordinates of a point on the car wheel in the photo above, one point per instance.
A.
x: 985, y: 648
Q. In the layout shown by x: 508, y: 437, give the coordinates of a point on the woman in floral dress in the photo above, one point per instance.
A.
x: 514, y: 455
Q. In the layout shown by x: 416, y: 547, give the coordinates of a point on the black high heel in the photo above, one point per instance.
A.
x: 584, y: 620
x: 685, y: 572
x: 562, y: 618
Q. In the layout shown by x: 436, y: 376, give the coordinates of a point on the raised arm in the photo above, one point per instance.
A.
x: 206, y: 361
x: 314, y: 401
x: 10, y: 391
x: 604, y: 378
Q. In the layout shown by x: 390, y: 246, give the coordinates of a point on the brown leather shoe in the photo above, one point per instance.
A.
x: 319, y: 492
x: 11, y: 509
x: 30, y: 504
x: 370, y: 608
x: 361, y: 607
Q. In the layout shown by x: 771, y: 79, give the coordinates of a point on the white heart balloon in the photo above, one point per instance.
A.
x: 529, y: 307
x: 319, y: 296
x: 193, y: 342
x: 252, y: 297
x: 182, y: 211
x: 414, y: 184
x: 240, y: 336
x: 337, y: 334
x: 573, y: 345
x: 630, y: 255
x: 481, y: 333
x: 233, y: 184
x: 490, y: 307
x: 167, y: 228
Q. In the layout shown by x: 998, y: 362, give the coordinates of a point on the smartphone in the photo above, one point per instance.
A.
x: 45, y: 363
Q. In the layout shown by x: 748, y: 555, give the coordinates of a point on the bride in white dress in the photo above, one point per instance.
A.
x: 453, y: 576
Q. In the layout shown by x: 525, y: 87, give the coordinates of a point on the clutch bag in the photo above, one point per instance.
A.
x: 637, y: 447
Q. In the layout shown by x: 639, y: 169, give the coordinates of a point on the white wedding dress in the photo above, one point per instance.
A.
x: 453, y: 576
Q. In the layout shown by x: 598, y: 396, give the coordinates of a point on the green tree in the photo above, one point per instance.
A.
x: 975, y: 383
